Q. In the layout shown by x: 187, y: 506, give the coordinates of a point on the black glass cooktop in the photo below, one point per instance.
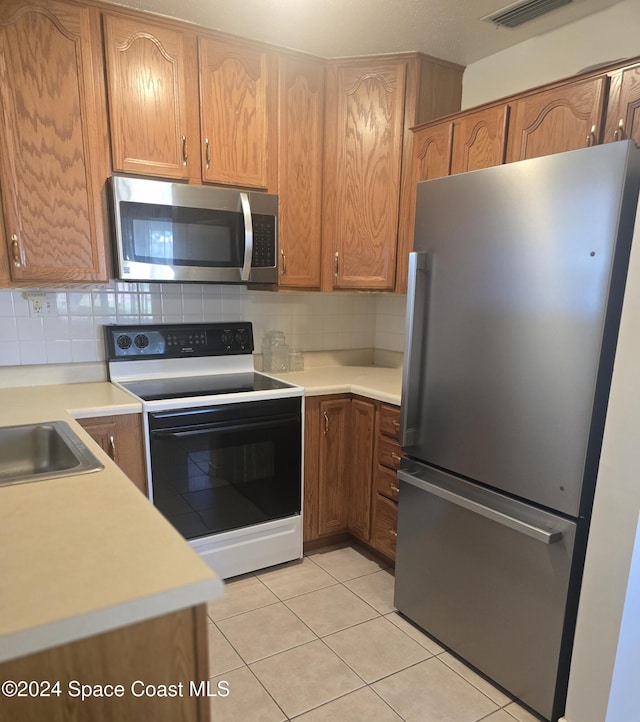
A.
x: 190, y: 386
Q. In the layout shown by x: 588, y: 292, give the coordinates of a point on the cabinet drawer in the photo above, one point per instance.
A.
x: 390, y: 421
x: 385, y: 525
x: 389, y: 452
x: 386, y: 482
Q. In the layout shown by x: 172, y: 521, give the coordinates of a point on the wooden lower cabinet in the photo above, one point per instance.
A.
x: 363, y: 414
x: 167, y: 650
x: 385, y: 525
x: 122, y: 439
x: 350, y: 485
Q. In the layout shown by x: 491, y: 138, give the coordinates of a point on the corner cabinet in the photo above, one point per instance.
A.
x: 300, y: 143
x: 352, y: 453
x: 54, y: 158
x: 364, y: 133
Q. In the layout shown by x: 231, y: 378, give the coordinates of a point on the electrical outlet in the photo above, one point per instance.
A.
x: 41, y: 304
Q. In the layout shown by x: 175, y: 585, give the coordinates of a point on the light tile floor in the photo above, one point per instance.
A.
x: 318, y: 640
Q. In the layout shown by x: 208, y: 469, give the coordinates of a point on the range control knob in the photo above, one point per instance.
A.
x: 124, y: 342
x: 141, y: 340
x: 242, y: 337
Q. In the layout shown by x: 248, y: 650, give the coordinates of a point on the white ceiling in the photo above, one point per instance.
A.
x: 448, y: 29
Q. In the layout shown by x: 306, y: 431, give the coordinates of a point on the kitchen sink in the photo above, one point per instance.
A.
x: 47, y: 450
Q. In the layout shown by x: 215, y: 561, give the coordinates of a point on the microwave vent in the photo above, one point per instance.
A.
x: 519, y: 13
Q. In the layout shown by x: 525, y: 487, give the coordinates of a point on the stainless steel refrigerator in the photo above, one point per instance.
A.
x: 515, y: 293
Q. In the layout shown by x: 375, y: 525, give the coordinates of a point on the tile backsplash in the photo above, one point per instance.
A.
x: 311, y: 321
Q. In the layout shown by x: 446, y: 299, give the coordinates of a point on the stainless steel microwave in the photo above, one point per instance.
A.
x: 177, y: 232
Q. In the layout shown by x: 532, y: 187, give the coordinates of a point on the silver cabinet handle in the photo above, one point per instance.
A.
x: 112, y: 448
x: 420, y: 266
x: 207, y: 152
x: 185, y: 156
x: 523, y: 527
x: 326, y: 422
x: 248, y: 236
x: 592, y: 136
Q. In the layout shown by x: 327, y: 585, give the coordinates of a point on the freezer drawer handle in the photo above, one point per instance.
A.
x: 541, y: 535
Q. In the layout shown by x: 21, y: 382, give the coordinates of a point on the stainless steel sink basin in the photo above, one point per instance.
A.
x: 42, y: 451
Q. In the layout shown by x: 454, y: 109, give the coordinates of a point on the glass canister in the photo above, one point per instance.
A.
x: 275, y: 352
x: 296, y: 360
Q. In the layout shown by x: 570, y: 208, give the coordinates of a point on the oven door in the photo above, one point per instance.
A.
x: 226, y: 467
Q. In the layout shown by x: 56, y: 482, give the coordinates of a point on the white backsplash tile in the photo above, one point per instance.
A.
x: 310, y: 321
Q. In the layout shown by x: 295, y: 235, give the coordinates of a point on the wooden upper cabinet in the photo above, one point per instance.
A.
x: 623, y: 111
x: 431, y: 152
x: 562, y: 118
x: 300, y: 134
x: 363, y: 154
x: 152, y: 112
x: 236, y: 113
x: 479, y: 139
x: 53, y: 161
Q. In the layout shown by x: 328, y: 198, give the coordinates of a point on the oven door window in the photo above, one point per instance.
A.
x: 220, y: 476
x: 181, y: 236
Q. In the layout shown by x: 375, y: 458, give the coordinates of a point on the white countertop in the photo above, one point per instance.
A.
x: 375, y: 382
x: 86, y: 554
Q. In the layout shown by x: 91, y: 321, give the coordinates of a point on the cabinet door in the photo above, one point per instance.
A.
x: 301, y: 106
x: 52, y: 135
x: 623, y: 113
x: 235, y: 107
x: 385, y: 525
x: 479, y: 140
x: 147, y: 73
x: 334, y: 466
x: 365, y: 106
x: 121, y: 438
x: 361, y: 433
x: 552, y: 121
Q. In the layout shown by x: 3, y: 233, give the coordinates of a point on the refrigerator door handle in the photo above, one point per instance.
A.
x: 541, y: 535
x: 420, y: 265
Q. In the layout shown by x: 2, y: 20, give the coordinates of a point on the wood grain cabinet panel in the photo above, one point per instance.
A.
x: 121, y: 438
x: 479, y: 140
x: 563, y: 118
x: 148, y: 70
x: 365, y: 104
x: 170, y: 649
x: 300, y: 132
x: 385, y: 526
x: 236, y: 112
x: 53, y: 139
x: 334, y: 466
x: 623, y: 111
x: 362, y: 429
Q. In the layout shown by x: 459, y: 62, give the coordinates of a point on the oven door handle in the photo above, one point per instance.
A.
x: 222, y: 427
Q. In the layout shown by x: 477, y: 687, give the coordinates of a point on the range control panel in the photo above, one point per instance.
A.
x: 178, y: 340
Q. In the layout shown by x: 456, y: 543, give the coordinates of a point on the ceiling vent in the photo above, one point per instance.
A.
x: 522, y: 12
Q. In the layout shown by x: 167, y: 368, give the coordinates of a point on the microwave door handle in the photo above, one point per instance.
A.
x: 248, y: 236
